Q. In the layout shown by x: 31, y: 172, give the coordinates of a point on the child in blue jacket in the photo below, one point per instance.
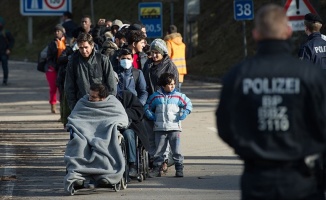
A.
x: 167, y: 107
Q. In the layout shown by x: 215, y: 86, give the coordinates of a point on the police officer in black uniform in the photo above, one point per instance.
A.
x: 272, y: 111
x: 314, y: 49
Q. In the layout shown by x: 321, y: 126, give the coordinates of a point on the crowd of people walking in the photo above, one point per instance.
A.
x: 117, y: 56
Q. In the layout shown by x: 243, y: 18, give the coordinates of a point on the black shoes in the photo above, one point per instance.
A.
x: 179, y: 170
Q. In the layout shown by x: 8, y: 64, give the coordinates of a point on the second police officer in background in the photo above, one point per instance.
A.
x: 314, y: 50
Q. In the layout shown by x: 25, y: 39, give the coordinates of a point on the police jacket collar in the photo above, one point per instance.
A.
x: 315, y: 34
x: 274, y: 46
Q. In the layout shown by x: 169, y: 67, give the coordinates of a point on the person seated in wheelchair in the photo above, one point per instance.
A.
x: 135, y: 111
x: 94, y: 149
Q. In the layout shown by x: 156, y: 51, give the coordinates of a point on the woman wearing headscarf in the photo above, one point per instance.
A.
x: 158, y: 64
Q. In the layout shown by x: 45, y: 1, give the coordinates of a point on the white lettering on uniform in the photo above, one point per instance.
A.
x: 272, y: 115
x: 279, y: 85
x: 320, y: 49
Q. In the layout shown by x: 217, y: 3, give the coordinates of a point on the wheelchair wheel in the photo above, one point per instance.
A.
x: 123, y: 183
x: 117, y: 187
x: 125, y: 177
x: 140, y: 178
x: 145, y: 161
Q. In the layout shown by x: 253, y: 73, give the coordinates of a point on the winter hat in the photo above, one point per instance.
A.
x: 160, y: 46
x: 313, y: 18
x: 173, y: 29
x: 134, y: 27
x: 117, y: 23
x: 60, y: 28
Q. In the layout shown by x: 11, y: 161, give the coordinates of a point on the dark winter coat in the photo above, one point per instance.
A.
x: 7, y: 41
x: 81, y: 73
x: 135, y: 112
x: 153, y: 72
x: 127, y: 81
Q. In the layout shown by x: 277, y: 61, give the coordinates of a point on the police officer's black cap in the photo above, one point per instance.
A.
x: 313, y: 18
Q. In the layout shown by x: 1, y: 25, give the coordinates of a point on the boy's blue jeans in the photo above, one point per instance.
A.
x: 129, y: 136
x: 4, y: 62
x: 162, y: 138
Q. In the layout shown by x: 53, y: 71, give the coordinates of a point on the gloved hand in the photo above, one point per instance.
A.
x: 150, y: 115
x: 184, y: 114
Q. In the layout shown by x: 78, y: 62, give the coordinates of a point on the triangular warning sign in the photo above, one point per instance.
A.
x: 297, y: 9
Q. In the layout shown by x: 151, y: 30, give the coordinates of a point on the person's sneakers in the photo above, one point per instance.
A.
x: 79, y: 184
x: 179, y: 170
x: 165, y: 166
x: 4, y: 83
x: 155, y: 172
x: 133, y: 170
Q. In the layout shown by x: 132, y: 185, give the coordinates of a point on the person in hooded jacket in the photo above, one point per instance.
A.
x: 176, y: 51
x: 130, y: 78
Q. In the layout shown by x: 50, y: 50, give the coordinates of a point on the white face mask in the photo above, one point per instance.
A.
x: 125, y: 63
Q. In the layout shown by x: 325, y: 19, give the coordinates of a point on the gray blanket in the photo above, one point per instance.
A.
x: 94, y: 150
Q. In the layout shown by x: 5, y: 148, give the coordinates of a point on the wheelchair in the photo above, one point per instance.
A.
x: 121, y: 185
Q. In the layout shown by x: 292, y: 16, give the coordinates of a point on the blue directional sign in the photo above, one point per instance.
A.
x: 44, y: 7
x: 151, y: 15
x: 243, y: 9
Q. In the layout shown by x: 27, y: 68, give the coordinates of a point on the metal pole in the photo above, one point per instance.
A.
x: 171, y: 12
x: 244, y: 38
x: 30, y: 30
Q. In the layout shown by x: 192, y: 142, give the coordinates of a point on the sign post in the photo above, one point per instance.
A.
x: 296, y: 10
x: 243, y: 10
x: 151, y: 15
x: 42, y: 8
